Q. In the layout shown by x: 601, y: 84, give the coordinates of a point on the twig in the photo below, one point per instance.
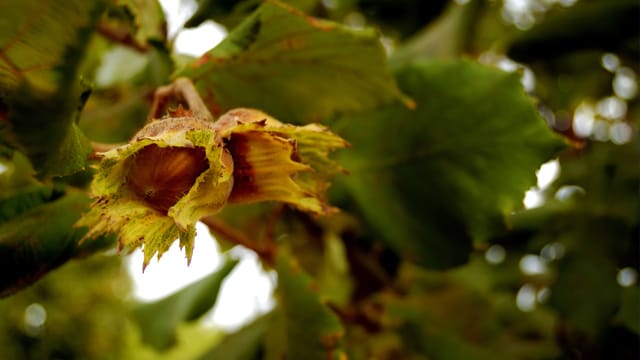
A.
x: 122, y: 36
x: 180, y: 89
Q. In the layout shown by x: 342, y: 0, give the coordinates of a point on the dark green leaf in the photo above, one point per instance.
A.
x: 40, y: 240
x: 602, y: 170
x: 294, y: 67
x: 23, y: 200
x: 585, y: 293
x: 158, y: 320
x: 42, y: 44
x: 243, y: 344
x: 313, y: 331
x: 431, y: 179
x: 600, y: 25
x: 629, y: 313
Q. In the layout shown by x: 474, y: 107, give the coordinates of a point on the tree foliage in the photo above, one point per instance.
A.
x: 373, y: 154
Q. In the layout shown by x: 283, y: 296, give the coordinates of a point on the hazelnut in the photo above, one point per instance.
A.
x: 162, y: 175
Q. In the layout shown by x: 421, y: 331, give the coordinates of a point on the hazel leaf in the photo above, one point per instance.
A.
x: 313, y: 330
x: 310, y: 68
x: 40, y: 83
x: 433, y: 179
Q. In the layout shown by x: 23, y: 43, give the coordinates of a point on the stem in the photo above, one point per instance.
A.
x: 122, y: 36
x: 181, y: 89
x: 266, y: 253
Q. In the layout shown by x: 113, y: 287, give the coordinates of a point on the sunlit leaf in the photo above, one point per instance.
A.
x: 431, y: 179
x: 295, y: 67
x: 158, y: 320
x: 39, y: 80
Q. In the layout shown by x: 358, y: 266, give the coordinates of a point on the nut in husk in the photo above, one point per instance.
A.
x: 182, y: 168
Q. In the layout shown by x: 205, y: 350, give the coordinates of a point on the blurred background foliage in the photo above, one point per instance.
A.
x: 488, y: 277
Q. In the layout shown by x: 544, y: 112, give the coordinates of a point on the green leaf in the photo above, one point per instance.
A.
x: 432, y: 179
x: 313, y: 330
x: 147, y: 18
x: 158, y: 320
x: 39, y: 240
x: 41, y: 46
x: 456, y: 25
x: 294, y: 67
x: 17, y: 174
x: 603, y: 172
x: 243, y: 344
x: 23, y: 200
x: 585, y: 293
x: 629, y: 313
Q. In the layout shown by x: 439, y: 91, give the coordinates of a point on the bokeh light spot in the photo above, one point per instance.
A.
x: 35, y: 317
x: 533, y: 265
x: 627, y: 277
x: 495, y: 254
x: 583, y: 119
x: 526, y: 298
x: 620, y: 133
x: 552, y: 251
x: 569, y: 191
x: 612, y: 107
x: 610, y: 62
x: 533, y: 198
x: 600, y: 130
x: 625, y: 84
x: 548, y: 173
x: 543, y: 295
